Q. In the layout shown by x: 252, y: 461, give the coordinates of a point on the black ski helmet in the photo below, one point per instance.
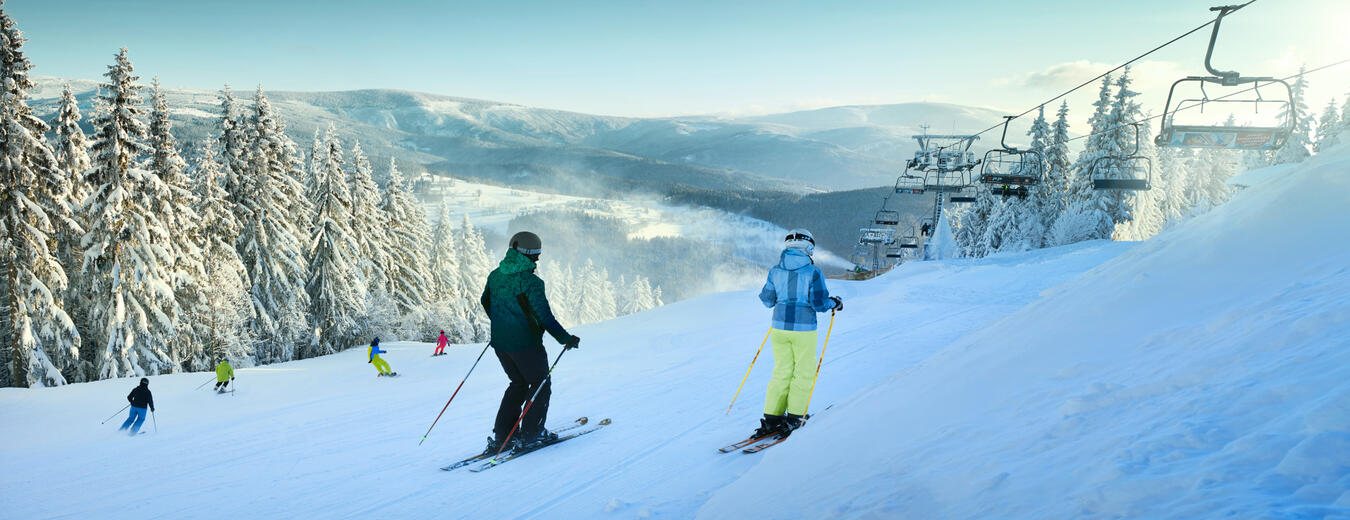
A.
x: 375, y: 341
x: 145, y: 381
x: 527, y: 243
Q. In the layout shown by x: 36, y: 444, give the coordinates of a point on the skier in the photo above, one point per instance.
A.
x: 374, y: 354
x: 796, y: 291
x: 139, y: 398
x: 518, y: 309
x: 441, y: 341
x: 224, y: 374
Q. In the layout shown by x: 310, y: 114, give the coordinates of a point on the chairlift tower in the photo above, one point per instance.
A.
x: 945, y: 162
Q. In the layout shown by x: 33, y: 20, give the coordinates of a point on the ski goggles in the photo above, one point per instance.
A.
x: 799, y: 236
x: 524, y: 251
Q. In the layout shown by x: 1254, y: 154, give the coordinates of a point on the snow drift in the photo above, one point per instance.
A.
x: 1200, y: 374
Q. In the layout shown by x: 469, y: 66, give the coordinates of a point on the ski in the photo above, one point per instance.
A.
x: 747, y: 442
x: 491, y: 463
x: 581, y: 421
x: 764, y: 445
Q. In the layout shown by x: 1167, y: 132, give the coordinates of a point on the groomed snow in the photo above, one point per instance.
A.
x: 1203, y: 373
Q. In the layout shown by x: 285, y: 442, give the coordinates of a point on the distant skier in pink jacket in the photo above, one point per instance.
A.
x: 440, y: 344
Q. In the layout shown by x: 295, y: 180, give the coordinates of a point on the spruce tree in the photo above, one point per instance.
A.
x: 452, y: 298
x: 336, y: 297
x: 410, y: 282
x: 175, y: 207
x: 1328, y: 128
x: 369, y: 223
x: 234, y: 152
x: 71, y: 145
x: 223, y: 311
x: 474, y: 266
x: 270, y: 243
x: 127, y: 270
x: 40, y: 338
x: 1300, y: 142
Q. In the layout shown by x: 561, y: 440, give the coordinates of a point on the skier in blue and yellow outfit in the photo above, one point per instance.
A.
x: 796, y: 291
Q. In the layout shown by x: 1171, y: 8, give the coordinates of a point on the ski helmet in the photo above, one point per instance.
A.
x: 375, y: 341
x: 527, y: 243
x: 800, y: 239
x: 145, y: 381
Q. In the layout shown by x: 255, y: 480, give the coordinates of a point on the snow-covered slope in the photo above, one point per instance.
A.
x: 1199, y: 374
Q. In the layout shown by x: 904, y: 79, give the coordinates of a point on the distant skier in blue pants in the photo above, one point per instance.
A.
x: 139, y: 398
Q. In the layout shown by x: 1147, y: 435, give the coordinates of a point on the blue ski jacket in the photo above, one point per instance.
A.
x: 796, y: 291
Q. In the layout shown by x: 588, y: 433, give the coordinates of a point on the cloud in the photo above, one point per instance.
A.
x: 1146, y: 74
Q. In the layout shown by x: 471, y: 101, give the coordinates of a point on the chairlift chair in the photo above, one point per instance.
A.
x: 887, y: 217
x: 1008, y: 190
x: 909, y: 184
x: 1199, y: 132
x: 1132, y: 172
x: 961, y: 197
x: 1011, y: 166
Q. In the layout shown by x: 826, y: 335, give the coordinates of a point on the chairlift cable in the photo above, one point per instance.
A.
x: 1117, y: 67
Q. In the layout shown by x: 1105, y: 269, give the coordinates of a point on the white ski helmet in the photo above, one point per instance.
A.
x: 800, y: 239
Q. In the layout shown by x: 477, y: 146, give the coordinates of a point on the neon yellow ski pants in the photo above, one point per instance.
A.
x: 793, y: 370
x: 380, y: 364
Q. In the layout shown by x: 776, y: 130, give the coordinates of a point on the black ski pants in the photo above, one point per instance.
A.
x: 527, y: 370
x: 221, y: 385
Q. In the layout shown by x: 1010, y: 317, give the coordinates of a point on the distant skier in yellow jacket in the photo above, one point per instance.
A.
x: 224, y: 374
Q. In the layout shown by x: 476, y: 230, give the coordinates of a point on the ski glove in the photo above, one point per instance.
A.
x: 575, y: 342
x: 838, y: 303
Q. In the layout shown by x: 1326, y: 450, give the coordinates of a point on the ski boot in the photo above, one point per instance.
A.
x: 537, y: 440
x: 494, y: 445
x: 791, y: 422
x: 769, y: 425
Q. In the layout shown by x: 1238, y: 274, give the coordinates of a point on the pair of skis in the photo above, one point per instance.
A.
x: 487, y: 461
x: 761, y: 443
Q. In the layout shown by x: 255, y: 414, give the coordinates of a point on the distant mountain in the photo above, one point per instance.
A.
x: 802, y: 152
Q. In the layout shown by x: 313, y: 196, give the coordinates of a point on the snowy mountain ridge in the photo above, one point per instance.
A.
x: 832, y: 148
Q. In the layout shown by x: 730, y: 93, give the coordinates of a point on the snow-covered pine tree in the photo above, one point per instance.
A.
x: 369, y: 222
x: 71, y: 145
x: 41, y: 340
x: 1081, y: 198
x: 451, y: 297
x: 1055, y: 187
x: 127, y: 268
x: 410, y: 282
x: 72, y: 157
x: 175, y: 207
x: 474, y: 266
x: 1121, y: 141
x: 336, y: 295
x: 973, y: 234
x: 316, y: 159
x: 270, y: 244
x: 1328, y: 128
x: 1299, y: 145
x: 234, y: 152
x: 606, y: 307
x: 222, y: 313
x: 622, y: 300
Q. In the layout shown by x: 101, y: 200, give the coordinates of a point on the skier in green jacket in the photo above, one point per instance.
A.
x: 515, y: 303
x: 224, y: 374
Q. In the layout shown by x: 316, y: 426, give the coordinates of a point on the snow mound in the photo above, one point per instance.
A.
x: 1205, y: 373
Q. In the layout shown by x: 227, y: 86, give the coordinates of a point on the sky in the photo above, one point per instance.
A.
x: 665, y: 58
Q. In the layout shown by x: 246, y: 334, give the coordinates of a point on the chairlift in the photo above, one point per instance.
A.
x: 947, y: 180
x: 895, y: 252
x: 1011, y: 166
x: 887, y: 217
x: 908, y: 242
x: 1008, y: 190
x: 1201, y: 130
x: 1132, y: 172
x: 909, y: 184
x: 961, y: 198
x: 873, y: 236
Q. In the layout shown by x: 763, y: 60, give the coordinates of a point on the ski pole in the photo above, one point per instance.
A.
x: 818, y: 363
x: 456, y: 392
x: 747, y: 371
x: 155, y: 421
x: 199, y: 387
x: 116, y: 414
x: 528, y: 404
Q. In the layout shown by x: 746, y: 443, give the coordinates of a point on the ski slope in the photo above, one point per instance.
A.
x: 1203, y: 373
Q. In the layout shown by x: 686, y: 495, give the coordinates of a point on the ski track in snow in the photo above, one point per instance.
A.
x: 1193, y: 375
